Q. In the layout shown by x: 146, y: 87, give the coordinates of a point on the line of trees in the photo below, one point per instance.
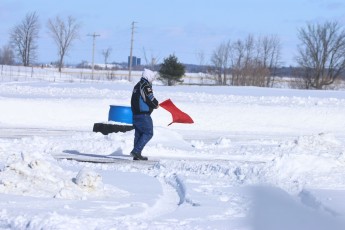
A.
x: 24, y: 38
x: 249, y: 61
x: 254, y: 61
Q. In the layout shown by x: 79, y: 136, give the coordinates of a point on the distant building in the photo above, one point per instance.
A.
x: 135, y: 61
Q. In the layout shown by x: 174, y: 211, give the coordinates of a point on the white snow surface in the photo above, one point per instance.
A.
x: 255, y: 158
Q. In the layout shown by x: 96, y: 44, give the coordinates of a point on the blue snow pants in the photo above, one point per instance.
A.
x: 143, y: 127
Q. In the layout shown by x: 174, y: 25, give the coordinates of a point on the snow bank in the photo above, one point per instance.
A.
x: 37, y: 175
x: 298, y: 161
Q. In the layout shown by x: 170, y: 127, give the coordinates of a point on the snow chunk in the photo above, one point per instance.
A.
x: 322, y: 144
x: 89, y: 179
x: 220, y: 143
x: 223, y: 142
x: 321, y: 140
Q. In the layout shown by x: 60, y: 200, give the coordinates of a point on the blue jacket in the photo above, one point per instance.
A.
x: 143, y: 100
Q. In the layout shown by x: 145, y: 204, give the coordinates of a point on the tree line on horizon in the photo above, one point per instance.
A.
x: 253, y: 61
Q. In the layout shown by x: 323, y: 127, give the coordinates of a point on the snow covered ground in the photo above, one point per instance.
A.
x: 255, y: 158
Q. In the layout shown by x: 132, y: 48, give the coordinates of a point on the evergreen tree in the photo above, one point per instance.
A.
x: 171, y: 71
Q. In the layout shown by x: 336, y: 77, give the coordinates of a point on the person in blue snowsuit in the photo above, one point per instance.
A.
x: 143, y: 103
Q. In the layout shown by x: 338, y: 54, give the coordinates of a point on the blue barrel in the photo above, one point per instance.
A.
x: 121, y: 114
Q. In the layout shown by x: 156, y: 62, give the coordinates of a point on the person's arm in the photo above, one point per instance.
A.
x: 150, y: 98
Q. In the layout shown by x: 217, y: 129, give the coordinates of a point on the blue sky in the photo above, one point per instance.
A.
x: 185, y: 28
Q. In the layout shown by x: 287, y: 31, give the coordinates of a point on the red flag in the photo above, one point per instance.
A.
x: 177, y: 115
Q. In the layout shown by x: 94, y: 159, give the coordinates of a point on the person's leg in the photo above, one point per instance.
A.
x: 135, y: 152
x: 137, y: 134
x: 143, y: 132
x: 147, y: 132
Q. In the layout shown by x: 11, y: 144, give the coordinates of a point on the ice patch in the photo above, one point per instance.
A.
x: 176, y: 182
x: 178, y: 185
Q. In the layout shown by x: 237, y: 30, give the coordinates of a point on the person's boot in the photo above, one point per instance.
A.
x: 138, y: 156
x: 142, y: 158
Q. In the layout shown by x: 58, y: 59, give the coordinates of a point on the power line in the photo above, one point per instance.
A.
x: 94, y: 35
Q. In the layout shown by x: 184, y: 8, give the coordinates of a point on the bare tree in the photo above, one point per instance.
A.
x: 152, y: 61
x: 106, y: 53
x: 63, y: 32
x: 243, y: 61
x: 221, y: 59
x: 254, y: 61
x: 6, y: 55
x: 268, y: 57
x: 201, y: 58
x: 237, y: 62
x: 321, y: 53
x: 23, y: 38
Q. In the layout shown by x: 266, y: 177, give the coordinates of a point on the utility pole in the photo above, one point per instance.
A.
x: 131, y: 53
x: 94, y: 35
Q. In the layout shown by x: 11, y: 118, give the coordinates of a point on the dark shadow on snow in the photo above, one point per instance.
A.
x: 117, y: 153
